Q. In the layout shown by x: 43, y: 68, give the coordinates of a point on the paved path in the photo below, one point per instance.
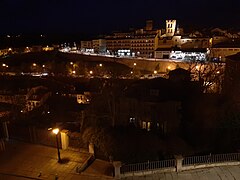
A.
x: 23, y: 161
x: 26, y: 161
x: 100, y: 168
x: 216, y: 173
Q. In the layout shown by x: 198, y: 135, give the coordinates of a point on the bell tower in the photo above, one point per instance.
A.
x: 170, y: 27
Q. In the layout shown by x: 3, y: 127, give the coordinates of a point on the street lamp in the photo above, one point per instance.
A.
x: 56, y: 131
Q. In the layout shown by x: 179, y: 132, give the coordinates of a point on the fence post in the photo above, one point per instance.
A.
x: 117, y: 165
x: 179, y: 159
x: 5, y: 130
x: 2, y: 145
x: 64, y: 139
x: 91, y: 148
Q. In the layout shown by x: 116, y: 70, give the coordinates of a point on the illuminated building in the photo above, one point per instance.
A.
x: 163, y: 53
x: 143, y: 46
x: 140, y: 42
x: 116, y: 44
x: 170, y: 27
x: 86, y: 45
x: 220, y: 51
x: 99, y: 46
x: 36, y: 97
x: 47, y: 48
x: 84, y: 98
x: 148, y: 42
x: 174, y: 45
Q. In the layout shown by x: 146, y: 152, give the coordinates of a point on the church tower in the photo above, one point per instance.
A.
x: 170, y: 27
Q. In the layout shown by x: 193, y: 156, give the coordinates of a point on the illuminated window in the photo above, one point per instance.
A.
x: 144, y: 125
x: 148, y: 126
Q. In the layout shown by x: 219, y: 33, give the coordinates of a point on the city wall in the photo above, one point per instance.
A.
x: 161, y: 66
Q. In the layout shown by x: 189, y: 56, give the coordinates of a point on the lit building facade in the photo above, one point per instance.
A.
x: 86, y: 45
x: 140, y: 42
x: 36, y: 97
x: 220, y: 51
x: 148, y: 42
x: 116, y: 44
x: 175, y: 45
x: 170, y: 27
x: 99, y: 46
x: 143, y: 46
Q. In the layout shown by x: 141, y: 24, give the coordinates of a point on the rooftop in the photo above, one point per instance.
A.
x: 228, y: 44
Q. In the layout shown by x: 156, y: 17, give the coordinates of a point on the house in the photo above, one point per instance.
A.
x: 36, y: 97
x: 150, y: 105
x: 221, y: 50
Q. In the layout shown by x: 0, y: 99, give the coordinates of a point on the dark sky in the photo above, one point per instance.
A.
x: 100, y: 16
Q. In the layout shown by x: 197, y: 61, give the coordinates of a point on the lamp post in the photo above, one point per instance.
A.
x: 56, y: 131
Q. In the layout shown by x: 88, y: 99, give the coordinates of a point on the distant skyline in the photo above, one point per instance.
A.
x: 96, y: 17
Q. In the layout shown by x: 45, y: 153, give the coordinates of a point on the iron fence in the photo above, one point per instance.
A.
x: 210, y: 159
x: 148, y: 166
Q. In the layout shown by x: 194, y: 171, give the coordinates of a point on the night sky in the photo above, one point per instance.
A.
x: 102, y: 16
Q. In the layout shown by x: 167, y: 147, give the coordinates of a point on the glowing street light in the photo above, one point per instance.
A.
x: 56, y: 131
x: 34, y: 64
x: 198, y: 67
x: 43, y: 66
x: 4, y: 65
x: 74, y: 72
x: 100, y: 65
x: 134, y: 64
x: 71, y: 63
x: 91, y: 72
x: 155, y: 72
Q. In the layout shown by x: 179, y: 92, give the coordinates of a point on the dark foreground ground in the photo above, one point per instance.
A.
x: 29, y: 161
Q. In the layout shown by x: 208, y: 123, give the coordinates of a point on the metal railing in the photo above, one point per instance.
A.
x: 148, y: 166
x: 210, y: 159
